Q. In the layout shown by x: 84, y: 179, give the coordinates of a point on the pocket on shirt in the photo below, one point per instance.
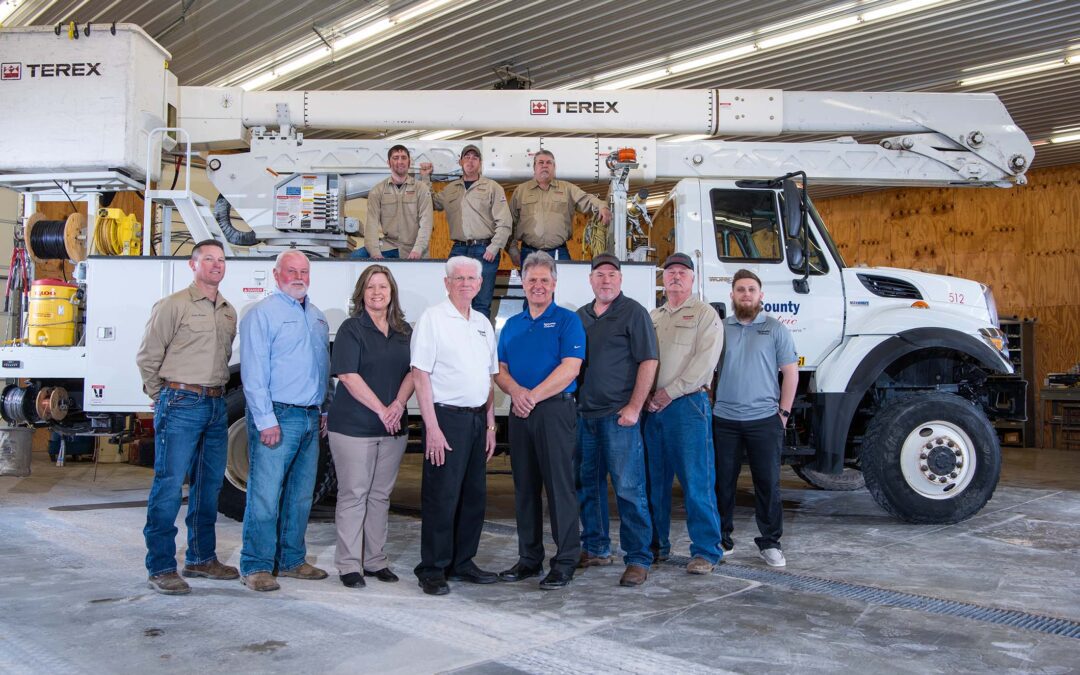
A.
x: 683, y: 335
x: 388, y: 211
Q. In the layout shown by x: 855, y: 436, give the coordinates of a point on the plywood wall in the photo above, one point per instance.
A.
x: 1023, y: 242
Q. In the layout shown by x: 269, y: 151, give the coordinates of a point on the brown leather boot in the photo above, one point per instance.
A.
x: 635, y: 575
x: 303, y: 571
x: 169, y: 583
x: 260, y: 581
x: 700, y: 565
x: 211, y: 570
x: 589, y: 560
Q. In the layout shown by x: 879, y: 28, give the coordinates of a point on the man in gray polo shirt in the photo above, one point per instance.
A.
x: 751, y: 412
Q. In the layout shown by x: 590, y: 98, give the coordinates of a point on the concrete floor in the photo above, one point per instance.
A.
x: 73, y: 596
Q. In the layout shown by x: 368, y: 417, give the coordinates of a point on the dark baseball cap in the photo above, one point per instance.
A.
x: 471, y: 148
x: 679, y: 259
x: 606, y: 259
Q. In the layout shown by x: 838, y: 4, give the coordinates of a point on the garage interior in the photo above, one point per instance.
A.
x: 998, y: 591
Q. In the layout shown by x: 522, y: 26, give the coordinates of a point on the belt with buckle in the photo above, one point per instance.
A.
x: 473, y: 242
x: 465, y: 409
x: 293, y: 405
x: 212, y: 392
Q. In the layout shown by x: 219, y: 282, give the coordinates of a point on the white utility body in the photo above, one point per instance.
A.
x: 897, y: 367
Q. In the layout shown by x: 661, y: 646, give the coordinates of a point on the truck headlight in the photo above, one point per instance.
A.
x: 996, y: 339
x: 991, y: 305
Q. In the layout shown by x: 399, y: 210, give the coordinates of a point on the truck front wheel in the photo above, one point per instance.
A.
x: 931, y: 458
x: 232, y: 500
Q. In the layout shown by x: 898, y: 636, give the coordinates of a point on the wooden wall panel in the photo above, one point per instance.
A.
x: 1022, y: 242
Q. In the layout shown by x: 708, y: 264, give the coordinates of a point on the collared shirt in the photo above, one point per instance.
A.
x: 284, y: 356
x: 533, y: 348
x: 690, y: 339
x: 545, y: 218
x: 382, y: 361
x: 616, y: 342
x: 402, y: 214
x: 189, y: 340
x: 749, y: 388
x: 479, y: 212
x: 458, y: 353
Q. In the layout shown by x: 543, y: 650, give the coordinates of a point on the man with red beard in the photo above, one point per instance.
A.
x: 752, y: 411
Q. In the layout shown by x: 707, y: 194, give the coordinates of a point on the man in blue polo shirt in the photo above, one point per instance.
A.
x: 752, y: 411
x: 540, y: 354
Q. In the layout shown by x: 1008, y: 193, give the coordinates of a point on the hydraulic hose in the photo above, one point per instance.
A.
x: 224, y: 220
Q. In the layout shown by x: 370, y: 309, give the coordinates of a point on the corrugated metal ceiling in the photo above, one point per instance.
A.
x: 560, y: 41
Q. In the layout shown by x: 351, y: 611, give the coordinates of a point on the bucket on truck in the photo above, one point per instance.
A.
x: 52, y: 314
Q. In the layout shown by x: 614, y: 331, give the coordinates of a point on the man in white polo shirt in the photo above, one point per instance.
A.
x: 453, y: 360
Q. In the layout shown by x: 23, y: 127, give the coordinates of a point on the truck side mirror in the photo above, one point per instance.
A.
x: 795, y: 254
x: 793, y: 221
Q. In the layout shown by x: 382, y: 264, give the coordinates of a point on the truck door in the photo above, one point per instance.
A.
x: 742, y: 228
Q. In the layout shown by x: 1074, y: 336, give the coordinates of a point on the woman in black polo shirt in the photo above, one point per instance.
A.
x: 368, y: 423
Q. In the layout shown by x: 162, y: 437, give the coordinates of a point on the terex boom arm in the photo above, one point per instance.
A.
x: 972, y: 134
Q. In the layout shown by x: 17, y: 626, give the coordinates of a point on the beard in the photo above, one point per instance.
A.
x: 296, y: 290
x: 747, y: 313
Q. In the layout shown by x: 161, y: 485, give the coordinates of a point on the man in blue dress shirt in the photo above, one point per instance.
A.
x: 540, y: 354
x: 284, y: 364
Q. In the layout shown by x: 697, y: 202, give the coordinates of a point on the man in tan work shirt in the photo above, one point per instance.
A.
x: 400, y: 209
x: 479, y: 220
x: 543, y: 210
x: 184, y: 363
x: 678, y: 431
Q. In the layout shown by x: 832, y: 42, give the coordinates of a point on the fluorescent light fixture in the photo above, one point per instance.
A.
x: 896, y: 8
x: 440, y: 135
x: 1065, y: 138
x: 806, y: 17
x: 710, y: 59
x: 635, y: 80
x: 1014, y: 72
x: 7, y: 8
x: 808, y: 32
x: 368, y: 26
x: 712, y: 45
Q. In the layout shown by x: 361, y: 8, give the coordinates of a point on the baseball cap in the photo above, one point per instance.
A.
x: 606, y: 259
x: 679, y: 259
x: 471, y: 148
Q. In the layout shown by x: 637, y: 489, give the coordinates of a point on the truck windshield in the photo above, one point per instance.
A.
x: 826, y: 237
x: 747, y: 225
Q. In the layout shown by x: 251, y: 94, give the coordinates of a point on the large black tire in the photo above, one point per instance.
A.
x: 848, y: 480
x: 232, y: 500
x: 931, y: 458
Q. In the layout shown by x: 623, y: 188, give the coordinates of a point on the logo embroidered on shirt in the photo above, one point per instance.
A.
x: 549, y: 325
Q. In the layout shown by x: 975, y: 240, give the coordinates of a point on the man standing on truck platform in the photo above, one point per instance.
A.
x: 543, y: 209
x: 453, y: 359
x: 184, y: 363
x: 285, y: 366
x: 752, y: 411
x: 479, y: 220
x: 619, y: 370
x: 398, y: 208
x: 678, y: 435
x: 540, y: 355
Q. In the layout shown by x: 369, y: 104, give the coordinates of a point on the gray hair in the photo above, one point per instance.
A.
x: 539, y: 259
x: 286, y: 253
x: 543, y: 152
x: 459, y: 260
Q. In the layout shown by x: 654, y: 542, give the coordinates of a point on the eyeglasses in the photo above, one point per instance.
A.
x: 460, y: 279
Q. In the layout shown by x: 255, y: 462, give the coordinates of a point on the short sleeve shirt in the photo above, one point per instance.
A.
x: 615, y: 343
x: 749, y: 388
x: 381, y: 360
x: 533, y: 348
x: 458, y: 353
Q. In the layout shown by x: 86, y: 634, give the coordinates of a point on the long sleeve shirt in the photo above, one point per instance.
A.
x: 690, y: 338
x: 544, y: 218
x: 402, y: 215
x: 479, y: 212
x: 284, y: 356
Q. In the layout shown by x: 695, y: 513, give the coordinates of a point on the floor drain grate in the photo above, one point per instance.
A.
x: 880, y: 596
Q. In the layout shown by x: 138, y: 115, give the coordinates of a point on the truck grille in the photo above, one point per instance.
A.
x: 888, y: 287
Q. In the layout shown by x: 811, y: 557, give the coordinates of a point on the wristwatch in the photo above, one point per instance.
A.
x: 785, y: 413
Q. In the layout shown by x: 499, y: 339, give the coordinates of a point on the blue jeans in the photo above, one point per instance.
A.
x: 678, y: 441
x: 482, y: 301
x: 559, y: 252
x: 362, y: 254
x: 191, y: 438
x: 280, y: 485
x: 605, y: 447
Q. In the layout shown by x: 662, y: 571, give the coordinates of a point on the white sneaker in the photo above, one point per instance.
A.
x: 728, y: 550
x: 773, y: 557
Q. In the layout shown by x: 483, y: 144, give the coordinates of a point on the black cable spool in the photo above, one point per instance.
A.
x: 55, y: 239
x: 47, y: 240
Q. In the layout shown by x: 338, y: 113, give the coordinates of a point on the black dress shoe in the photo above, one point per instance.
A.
x: 353, y: 580
x: 520, y: 572
x: 434, y: 586
x: 555, y: 579
x: 475, y: 576
x: 385, y: 574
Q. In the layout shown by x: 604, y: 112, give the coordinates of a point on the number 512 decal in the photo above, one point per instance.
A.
x: 957, y: 298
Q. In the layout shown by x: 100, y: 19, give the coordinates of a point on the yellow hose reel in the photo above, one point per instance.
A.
x: 117, y: 233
